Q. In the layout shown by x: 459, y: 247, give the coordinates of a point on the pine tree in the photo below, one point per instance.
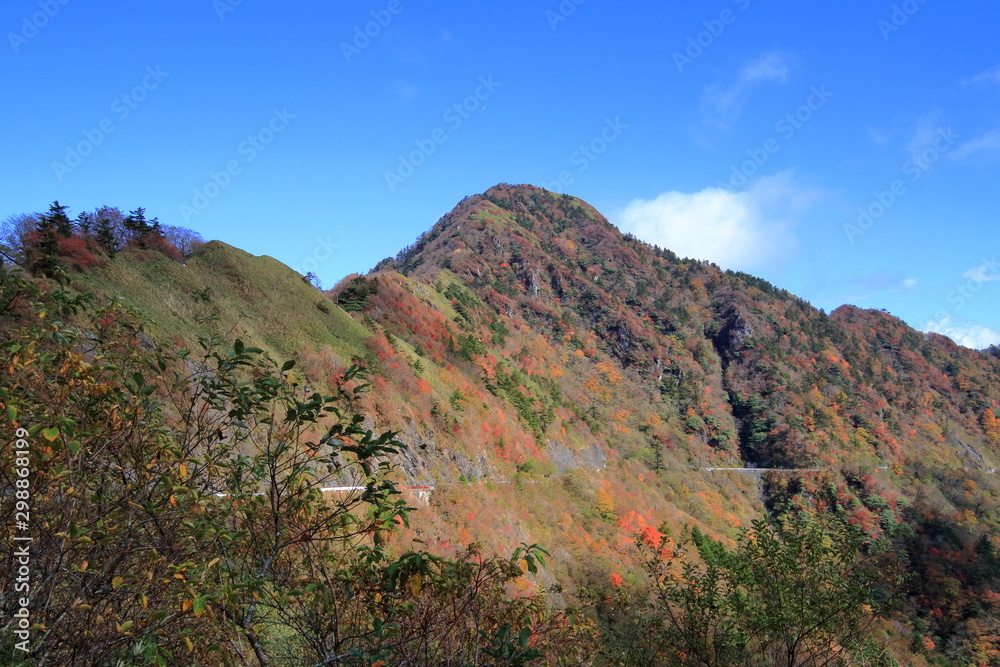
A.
x: 139, y: 227
x: 106, y: 236
x: 46, y: 246
x: 60, y: 221
x: 85, y: 224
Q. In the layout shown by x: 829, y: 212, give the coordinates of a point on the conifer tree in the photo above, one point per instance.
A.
x: 138, y: 227
x: 42, y: 258
x: 85, y: 224
x: 106, y: 236
x: 60, y: 221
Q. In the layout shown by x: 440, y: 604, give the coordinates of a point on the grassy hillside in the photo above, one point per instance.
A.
x: 224, y: 291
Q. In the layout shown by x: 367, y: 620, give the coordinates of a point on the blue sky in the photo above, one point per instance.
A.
x: 847, y: 152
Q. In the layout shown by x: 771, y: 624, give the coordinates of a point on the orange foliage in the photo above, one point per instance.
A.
x: 991, y: 426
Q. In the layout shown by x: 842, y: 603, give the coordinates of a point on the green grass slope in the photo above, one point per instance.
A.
x: 223, y: 291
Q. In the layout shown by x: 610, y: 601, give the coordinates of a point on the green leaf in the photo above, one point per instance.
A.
x: 288, y: 365
x: 73, y: 446
x: 50, y: 434
x: 199, y: 605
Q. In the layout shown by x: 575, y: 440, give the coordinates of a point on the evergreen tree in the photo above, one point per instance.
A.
x: 138, y: 227
x: 59, y: 220
x: 46, y: 246
x: 85, y: 224
x: 106, y: 236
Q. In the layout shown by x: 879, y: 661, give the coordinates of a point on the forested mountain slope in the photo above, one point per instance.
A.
x: 558, y: 382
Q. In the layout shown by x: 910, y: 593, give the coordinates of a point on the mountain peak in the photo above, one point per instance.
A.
x: 504, y: 217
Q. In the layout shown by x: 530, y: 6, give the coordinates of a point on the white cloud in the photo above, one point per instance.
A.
x: 986, y: 272
x: 927, y: 132
x: 737, y: 230
x: 910, y: 283
x: 723, y: 103
x: 768, y: 67
x: 988, y: 142
x: 968, y: 334
x: 878, y: 136
x: 989, y: 76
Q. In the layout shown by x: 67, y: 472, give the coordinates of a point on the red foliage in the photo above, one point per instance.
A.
x: 75, y: 252
x: 163, y: 246
x: 650, y: 536
x: 72, y: 252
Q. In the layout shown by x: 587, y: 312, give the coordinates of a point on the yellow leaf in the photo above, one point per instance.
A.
x: 117, y: 582
x: 190, y: 645
x: 184, y: 470
x: 186, y: 605
x: 416, y: 584
x: 126, y: 626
